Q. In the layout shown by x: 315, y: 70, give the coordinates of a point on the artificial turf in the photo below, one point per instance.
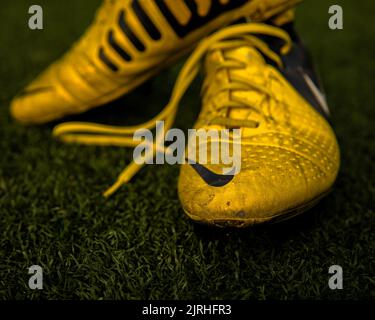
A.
x: 138, y: 244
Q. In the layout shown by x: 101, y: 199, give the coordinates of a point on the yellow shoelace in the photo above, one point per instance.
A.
x: 235, y: 36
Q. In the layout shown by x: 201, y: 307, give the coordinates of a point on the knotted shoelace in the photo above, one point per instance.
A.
x: 228, y: 38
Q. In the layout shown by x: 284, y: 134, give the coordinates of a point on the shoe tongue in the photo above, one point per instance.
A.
x: 253, y: 73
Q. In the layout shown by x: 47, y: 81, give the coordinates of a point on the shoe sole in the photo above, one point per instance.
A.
x: 279, y: 217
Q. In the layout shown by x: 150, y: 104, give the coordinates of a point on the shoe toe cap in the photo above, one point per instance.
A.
x: 40, y: 102
x: 264, y: 189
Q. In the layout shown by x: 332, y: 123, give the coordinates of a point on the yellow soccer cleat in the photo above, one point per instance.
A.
x: 129, y: 42
x: 258, y: 79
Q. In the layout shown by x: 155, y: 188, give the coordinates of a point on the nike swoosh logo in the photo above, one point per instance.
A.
x: 211, y: 178
x: 317, y: 93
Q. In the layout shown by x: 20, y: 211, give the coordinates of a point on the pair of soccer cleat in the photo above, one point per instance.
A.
x: 257, y: 78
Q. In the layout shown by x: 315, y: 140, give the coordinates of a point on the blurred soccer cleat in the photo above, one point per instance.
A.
x: 129, y: 42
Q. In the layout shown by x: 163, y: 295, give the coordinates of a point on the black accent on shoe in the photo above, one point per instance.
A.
x: 128, y: 32
x: 211, y: 178
x: 298, y: 69
x: 114, y: 44
x: 145, y: 20
x: 104, y: 58
x: 196, y: 21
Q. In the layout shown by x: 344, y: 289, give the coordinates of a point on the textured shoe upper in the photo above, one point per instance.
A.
x: 129, y: 41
